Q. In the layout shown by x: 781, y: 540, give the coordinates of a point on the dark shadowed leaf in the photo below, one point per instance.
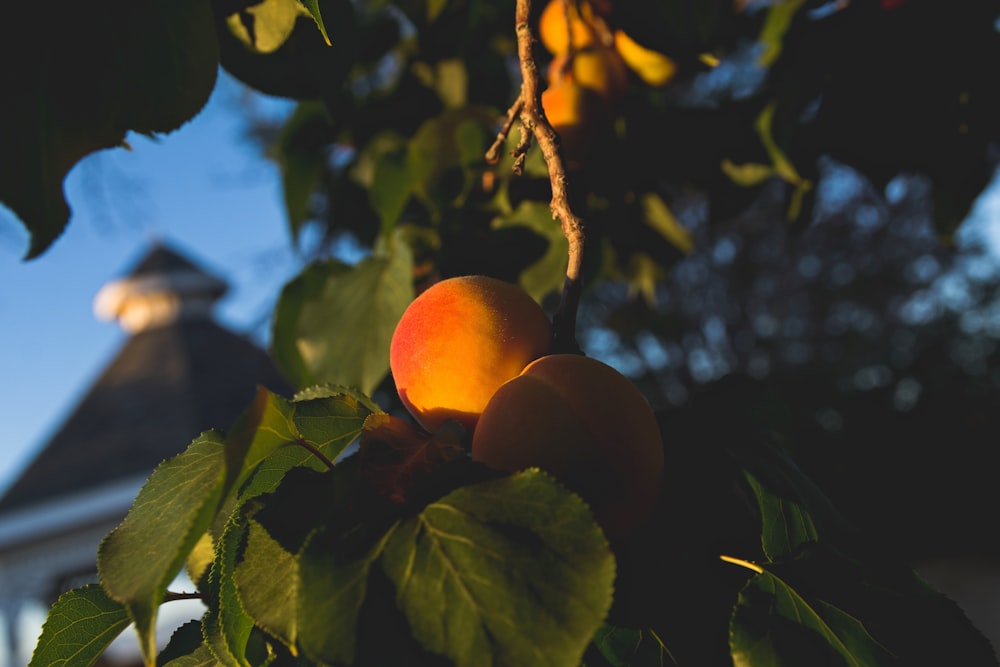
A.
x: 267, y: 582
x: 79, y: 627
x: 84, y: 77
x: 548, y: 273
x: 632, y: 647
x: 511, y: 571
x: 794, y: 511
x: 825, y: 608
x: 395, y: 454
x: 183, y: 642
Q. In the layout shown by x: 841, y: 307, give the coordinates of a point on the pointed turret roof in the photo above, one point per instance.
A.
x: 179, y: 373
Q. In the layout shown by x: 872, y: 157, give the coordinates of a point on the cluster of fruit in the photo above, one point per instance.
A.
x: 475, y: 350
x: 589, y: 71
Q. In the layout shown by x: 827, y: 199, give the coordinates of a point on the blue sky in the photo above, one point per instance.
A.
x: 202, y: 188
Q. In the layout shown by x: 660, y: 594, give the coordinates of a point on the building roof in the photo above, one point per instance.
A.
x: 169, y: 382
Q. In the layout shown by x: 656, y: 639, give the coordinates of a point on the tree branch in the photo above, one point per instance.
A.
x: 534, y: 123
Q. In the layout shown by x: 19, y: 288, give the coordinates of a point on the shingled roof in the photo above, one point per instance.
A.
x: 172, y: 379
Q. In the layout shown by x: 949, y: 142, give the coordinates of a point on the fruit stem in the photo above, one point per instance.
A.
x: 534, y: 123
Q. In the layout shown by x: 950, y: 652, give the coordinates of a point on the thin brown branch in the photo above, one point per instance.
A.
x: 493, y: 154
x: 534, y: 123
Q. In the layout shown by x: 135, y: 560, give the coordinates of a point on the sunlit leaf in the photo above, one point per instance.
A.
x: 307, y: 65
x: 334, y: 323
x: 508, y: 572
x: 783, y: 167
x: 275, y: 435
x: 312, y: 6
x: 264, y: 26
x: 747, y: 174
x: 776, y: 24
x: 172, y: 511
x: 658, y: 215
x: 80, y: 625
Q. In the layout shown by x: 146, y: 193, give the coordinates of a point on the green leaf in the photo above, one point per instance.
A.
x: 264, y: 427
x: 658, y: 215
x: 548, y: 273
x: 825, y: 608
x: 772, y: 33
x: 266, y: 25
x: 306, y: 66
x: 200, y: 657
x: 391, y: 187
x: 330, y: 390
x: 139, y: 558
x: 312, y: 6
x: 226, y: 625
x: 80, y: 625
x: 267, y: 439
x: 334, y: 324
x: 445, y: 155
x: 512, y: 571
x: 302, y: 156
x: 184, y: 641
x: 748, y: 174
x: 794, y: 511
x: 632, y: 647
x: 267, y: 583
x: 81, y: 79
x: 309, y: 606
x: 303, y: 293
x: 335, y: 584
x: 774, y: 624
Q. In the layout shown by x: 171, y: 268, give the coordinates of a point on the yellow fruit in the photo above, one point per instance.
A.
x: 586, y: 424
x: 598, y: 68
x: 458, y: 341
x: 572, y: 112
x: 653, y: 67
x: 554, y: 30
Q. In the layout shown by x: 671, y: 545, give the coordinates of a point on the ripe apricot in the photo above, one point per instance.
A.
x: 572, y: 111
x: 653, y: 67
x: 585, y: 423
x: 554, y: 30
x: 458, y: 341
x: 599, y: 68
